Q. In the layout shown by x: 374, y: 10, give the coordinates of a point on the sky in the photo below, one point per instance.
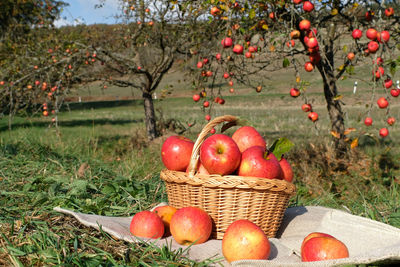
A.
x: 84, y: 11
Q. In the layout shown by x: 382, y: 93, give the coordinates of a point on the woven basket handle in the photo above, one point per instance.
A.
x: 202, y: 136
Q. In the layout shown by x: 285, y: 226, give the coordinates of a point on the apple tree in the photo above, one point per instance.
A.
x: 328, y: 38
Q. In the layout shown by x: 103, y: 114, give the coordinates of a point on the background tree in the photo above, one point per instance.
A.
x: 267, y: 30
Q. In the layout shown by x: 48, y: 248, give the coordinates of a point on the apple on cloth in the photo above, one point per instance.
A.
x: 368, y: 241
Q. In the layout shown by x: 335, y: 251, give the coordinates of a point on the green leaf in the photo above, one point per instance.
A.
x: 280, y: 147
x: 286, y: 63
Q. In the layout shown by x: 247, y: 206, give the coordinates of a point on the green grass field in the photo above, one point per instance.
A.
x: 99, y: 161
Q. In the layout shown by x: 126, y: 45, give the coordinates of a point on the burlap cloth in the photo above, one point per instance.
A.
x: 368, y: 241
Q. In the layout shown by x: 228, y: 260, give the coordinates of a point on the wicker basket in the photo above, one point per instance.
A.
x: 228, y: 198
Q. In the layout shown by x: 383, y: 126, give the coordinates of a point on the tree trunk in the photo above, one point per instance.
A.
x: 335, y: 114
x: 150, y: 116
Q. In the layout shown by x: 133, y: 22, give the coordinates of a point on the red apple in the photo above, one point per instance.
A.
x: 304, y: 25
x: 350, y: 56
x: 176, y: 152
x: 369, y: 15
x: 379, y: 61
x: 312, y: 42
x: 373, y: 46
x: 147, y: 224
x: 253, y: 49
x: 165, y: 213
x: 207, y: 117
x: 382, y: 102
x: 314, y: 58
x: 206, y: 104
x: 287, y: 171
x: 290, y: 43
x: 209, y: 73
x: 372, y: 34
x: 389, y: 12
x: 244, y: 240
x: 312, y: 235
x: 220, y: 154
x: 215, y: 11
x: 323, y: 248
x: 199, y: 64
x: 221, y: 101
x: 357, y: 34
x: 256, y: 162
x: 248, y: 136
x: 205, y: 61
x: 190, y: 225
x: 218, y: 56
x: 196, y: 98
x: 308, y: 66
x: 388, y: 83
x: 230, y: 83
x: 227, y: 42
x: 237, y: 49
x: 295, y: 34
x: 306, y: 107
x: 383, y: 132
x: 395, y: 92
x: 313, y: 116
x: 45, y: 113
x: 248, y: 54
x: 200, y: 168
x: 368, y: 121
x: 226, y: 75
x: 385, y: 36
x: 380, y: 72
x: 296, y: 2
x: 308, y: 6
x: 294, y: 92
x: 391, y: 121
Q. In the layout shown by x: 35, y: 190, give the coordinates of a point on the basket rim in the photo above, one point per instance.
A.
x: 228, y: 181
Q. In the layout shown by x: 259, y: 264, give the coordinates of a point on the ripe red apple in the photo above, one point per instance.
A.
x: 248, y: 136
x: 290, y: 43
x: 176, y: 152
x: 165, y: 213
x: 306, y: 107
x: 313, y: 116
x: 206, y: 104
x: 248, y: 54
x: 190, y: 225
x: 295, y: 34
x: 245, y: 240
x: 308, y: 6
x: 385, y: 36
x: 323, y: 248
x: 380, y: 72
x: 294, y: 92
x: 199, y: 64
x: 312, y: 42
x: 287, y: 171
x: 257, y: 162
x: 388, y: 83
x: 147, y: 224
x: 350, y: 56
x: 372, y: 34
x: 221, y: 101
x: 312, y: 235
x: 383, y: 132
x: 215, y: 11
x: 230, y: 83
x: 314, y: 58
x: 382, y: 102
x: 205, y: 61
x: 218, y: 56
x: 369, y: 15
x: 395, y: 92
x: 368, y: 121
x: 252, y: 49
x: 389, y: 12
x: 391, y: 121
x: 237, y: 49
x: 226, y: 75
x: 373, y: 46
x: 258, y: 89
x: 207, y: 117
x: 220, y: 154
x: 304, y: 25
x: 379, y: 61
x: 45, y: 113
x: 308, y: 66
x: 296, y: 2
x: 227, y: 42
x: 196, y: 98
x: 209, y: 73
x: 357, y: 34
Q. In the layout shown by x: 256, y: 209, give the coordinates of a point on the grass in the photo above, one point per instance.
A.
x: 99, y: 161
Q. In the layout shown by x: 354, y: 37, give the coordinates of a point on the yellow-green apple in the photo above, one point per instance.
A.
x: 382, y: 102
x: 257, y: 162
x: 176, y: 152
x: 147, y: 224
x: 191, y: 225
x: 244, y: 240
x: 357, y: 34
x: 312, y: 235
x: 304, y: 25
x: 165, y: 213
x: 248, y: 136
x: 287, y: 172
x: 368, y: 121
x: 383, y: 132
x: 220, y: 154
x: 323, y: 248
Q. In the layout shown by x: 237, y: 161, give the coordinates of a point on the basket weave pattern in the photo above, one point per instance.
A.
x: 228, y: 198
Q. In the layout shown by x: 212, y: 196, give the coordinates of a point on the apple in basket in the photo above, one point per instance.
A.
x: 147, y: 224
x: 246, y: 137
x: 245, y: 240
x: 219, y: 154
x: 165, y: 213
x: 191, y: 225
x: 320, y: 246
x: 176, y: 152
x: 257, y: 162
